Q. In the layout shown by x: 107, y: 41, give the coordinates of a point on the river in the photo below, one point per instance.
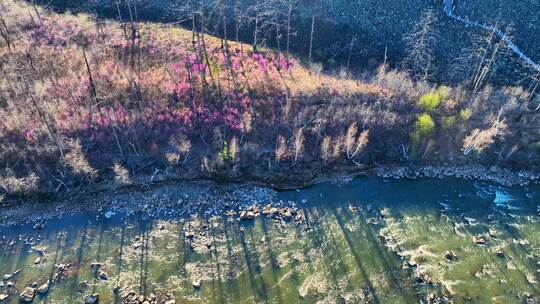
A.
x: 367, y: 240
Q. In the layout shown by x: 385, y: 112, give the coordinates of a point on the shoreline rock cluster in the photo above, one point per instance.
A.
x: 494, y: 174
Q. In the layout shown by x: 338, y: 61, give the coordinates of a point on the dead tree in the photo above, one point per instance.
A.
x: 93, y: 93
x: 486, y: 58
x: 420, y: 43
x: 291, y: 5
x: 311, y: 38
x: 4, y: 32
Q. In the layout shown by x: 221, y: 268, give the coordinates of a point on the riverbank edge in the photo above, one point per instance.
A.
x: 23, y: 210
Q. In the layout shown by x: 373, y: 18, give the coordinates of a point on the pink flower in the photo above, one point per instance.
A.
x: 29, y: 135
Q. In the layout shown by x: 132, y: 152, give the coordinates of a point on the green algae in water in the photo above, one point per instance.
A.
x: 366, y: 241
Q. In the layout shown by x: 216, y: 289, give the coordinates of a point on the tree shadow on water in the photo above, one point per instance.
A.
x: 119, y: 261
x: 231, y: 277
x: 316, y: 236
x: 273, y: 261
x: 252, y: 262
x: 356, y: 256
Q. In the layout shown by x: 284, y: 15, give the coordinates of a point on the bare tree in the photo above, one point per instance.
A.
x: 354, y: 144
x: 281, y: 148
x: 93, y: 93
x: 298, y: 143
x: 326, y: 146
x: 486, y: 60
x: 311, y: 38
x: 270, y: 19
x: 480, y: 140
x: 233, y: 149
x: 5, y: 33
x: 420, y: 42
x: 291, y: 5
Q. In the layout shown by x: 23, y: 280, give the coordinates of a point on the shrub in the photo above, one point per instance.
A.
x: 449, y: 122
x: 465, y: 114
x: 431, y: 101
x: 229, y: 150
x: 425, y: 125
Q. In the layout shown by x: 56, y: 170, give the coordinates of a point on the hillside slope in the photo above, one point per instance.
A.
x: 378, y: 28
x: 84, y: 101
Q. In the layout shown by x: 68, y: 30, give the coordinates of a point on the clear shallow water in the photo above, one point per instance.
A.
x: 366, y: 241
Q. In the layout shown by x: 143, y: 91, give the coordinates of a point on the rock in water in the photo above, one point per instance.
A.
x: 28, y: 294
x: 3, y: 297
x: 91, y: 299
x: 43, y: 288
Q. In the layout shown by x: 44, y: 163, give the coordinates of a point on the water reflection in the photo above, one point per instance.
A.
x: 367, y: 240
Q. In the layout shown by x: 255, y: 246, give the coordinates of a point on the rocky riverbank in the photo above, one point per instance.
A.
x: 171, y: 197
x: 493, y: 174
x: 167, y: 199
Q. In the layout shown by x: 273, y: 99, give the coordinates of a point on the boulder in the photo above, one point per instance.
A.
x: 3, y: 297
x: 28, y: 294
x: 196, y: 284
